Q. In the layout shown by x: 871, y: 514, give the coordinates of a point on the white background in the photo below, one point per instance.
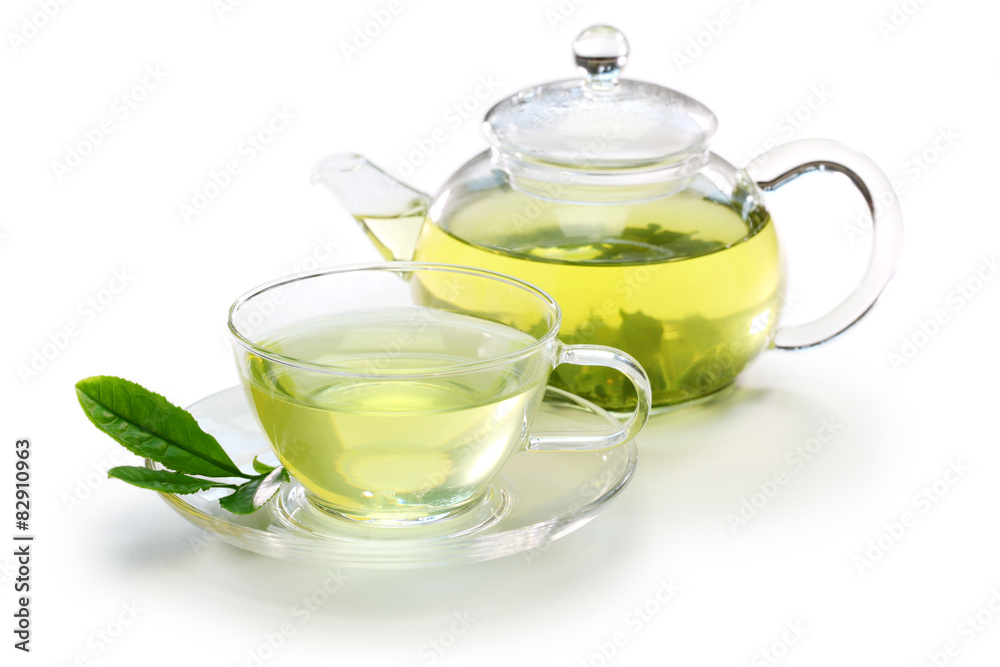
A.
x: 101, y: 544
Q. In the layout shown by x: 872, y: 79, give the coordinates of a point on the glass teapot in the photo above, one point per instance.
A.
x: 602, y: 191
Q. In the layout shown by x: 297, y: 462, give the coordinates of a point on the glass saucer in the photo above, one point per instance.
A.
x: 537, y: 498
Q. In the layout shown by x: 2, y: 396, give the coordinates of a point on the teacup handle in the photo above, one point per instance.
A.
x: 789, y: 161
x: 599, y: 355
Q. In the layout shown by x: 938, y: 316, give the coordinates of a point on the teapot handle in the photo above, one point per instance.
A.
x: 789, y: 161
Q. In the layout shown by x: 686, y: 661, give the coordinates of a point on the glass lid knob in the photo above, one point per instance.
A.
x: 601, y: 52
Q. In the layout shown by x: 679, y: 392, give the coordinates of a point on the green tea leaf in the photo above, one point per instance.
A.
x: 162, y: 480
x: 251, y: 496
x: 641, y: 332
x: 148, y: 425
x: 262, y: 468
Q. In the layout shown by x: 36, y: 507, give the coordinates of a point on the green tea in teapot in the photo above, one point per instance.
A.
x: 684, y: 284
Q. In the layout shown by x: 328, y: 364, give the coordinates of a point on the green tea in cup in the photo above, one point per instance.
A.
x: 391, y: 404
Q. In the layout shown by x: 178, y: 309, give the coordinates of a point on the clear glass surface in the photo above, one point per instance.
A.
x: 600, y: 120
x: 787, y: 162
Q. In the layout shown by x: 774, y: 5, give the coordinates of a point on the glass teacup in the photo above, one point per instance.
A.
x: 392, y: 404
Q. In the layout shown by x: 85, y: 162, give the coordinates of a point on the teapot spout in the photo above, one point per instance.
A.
x: 389, y: 211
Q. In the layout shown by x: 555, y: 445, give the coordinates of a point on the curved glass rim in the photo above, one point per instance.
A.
x: 398, y: 267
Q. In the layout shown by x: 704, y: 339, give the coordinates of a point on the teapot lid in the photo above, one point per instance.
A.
x: 601, y: 121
